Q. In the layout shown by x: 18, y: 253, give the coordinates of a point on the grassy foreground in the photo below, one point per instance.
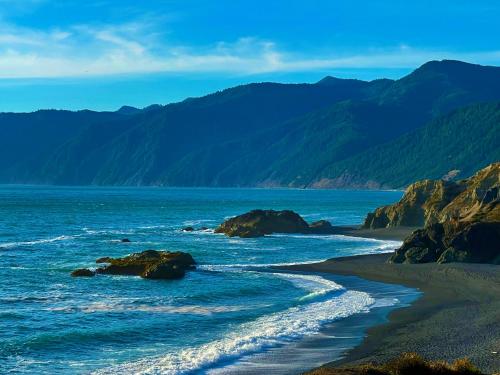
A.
x: 405, y: 364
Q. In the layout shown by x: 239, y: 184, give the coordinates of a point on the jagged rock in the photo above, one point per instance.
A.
x: 258, y: 223
x: 428, y: 202
x: 452, y: 242
x: 82, y: 272
x: 420, y: 205
x: 461, y: 220
x: 478, y: 243
x: 150, y: 264
x: 321, y: 227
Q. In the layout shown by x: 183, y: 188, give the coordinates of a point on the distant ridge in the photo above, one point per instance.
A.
x: 340, y: 133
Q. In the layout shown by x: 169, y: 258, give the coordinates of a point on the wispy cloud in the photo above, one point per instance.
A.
x: 136, y: 47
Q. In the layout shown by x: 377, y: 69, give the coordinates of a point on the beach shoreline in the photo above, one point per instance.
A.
x: 457, y: 315
x: 389, y: 234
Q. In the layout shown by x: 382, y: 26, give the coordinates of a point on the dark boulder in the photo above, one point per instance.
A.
x: 258, y: 223
x: 188, y: 229
x: 150, y: 264
x: 164, y: 271
x: 82, y: 272
x: 477, y: 243
x: 452, y: 242
x: 126, y: 240
x: 321, y: 227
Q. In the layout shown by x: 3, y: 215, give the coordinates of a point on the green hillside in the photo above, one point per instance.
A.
x: 334, y: 133
x: 462, y: 142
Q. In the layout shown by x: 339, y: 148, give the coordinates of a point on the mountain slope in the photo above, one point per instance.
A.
x: 153, y: 141
x: 461, y: 142
x: 268, y: 134
x: 27, y: 138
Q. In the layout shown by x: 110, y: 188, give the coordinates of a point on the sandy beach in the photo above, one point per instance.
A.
x: 395, y: 234
x: 456, y: 316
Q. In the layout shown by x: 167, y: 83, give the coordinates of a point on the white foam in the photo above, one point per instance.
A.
x: 9, y: 245
x: 167, y: 309
x: 238, y: 267
x: 316, y: 285
x: 251, y: 337
x: 197, y: 222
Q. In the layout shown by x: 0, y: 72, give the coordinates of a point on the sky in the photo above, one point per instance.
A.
x: 102, y: 54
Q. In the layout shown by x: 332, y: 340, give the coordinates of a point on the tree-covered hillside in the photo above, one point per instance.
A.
x: 461, y: 143
x: 335, y: 133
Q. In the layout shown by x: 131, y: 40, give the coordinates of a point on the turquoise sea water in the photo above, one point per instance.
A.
x: 226, y: 309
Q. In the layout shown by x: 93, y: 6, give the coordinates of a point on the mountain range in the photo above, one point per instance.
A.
x: 440, y: 121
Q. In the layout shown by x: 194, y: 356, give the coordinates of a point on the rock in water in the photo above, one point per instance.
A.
x: 321, y: 227
x: 188, y: 229
x: 258, y: 223
x: 82, y: 272
x: 126, y: 240
x: 149, y: 264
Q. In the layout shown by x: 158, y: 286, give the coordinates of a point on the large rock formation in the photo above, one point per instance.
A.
x: 258, y: 223
x: 477, y: 242
x: 460, y: 220
x: 428, y: 202
x: 149, y: 264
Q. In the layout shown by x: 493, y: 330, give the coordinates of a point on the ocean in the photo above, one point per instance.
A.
x: 232, y: 307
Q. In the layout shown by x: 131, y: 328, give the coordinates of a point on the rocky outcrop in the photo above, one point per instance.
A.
x: 445, y: 243
x: 82, y: 272
x: 427, y: 202
x: 419, y: 206
x: 461, y: 220
x: 258, y: 223
x: 149, y: 264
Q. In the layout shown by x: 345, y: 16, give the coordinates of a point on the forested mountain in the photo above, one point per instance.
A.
x: 451, y: 146
x: 335, y: 133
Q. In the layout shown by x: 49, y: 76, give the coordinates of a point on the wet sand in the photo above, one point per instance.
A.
x: 457, y: 316
x: 396, y: 234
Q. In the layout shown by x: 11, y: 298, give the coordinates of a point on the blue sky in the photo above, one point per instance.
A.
x: 102, y: 54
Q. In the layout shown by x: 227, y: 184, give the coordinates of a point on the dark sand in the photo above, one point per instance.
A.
x: 457, y: 316
x: 396, y: 234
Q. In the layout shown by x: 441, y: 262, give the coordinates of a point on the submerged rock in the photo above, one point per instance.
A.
x: 258, y: 223
x: 82, y: 272
x: 126, y: 240
x: 149, y: 264
x: 188, y: 229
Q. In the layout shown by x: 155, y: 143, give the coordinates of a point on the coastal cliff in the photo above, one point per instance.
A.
x: 460, y: 220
